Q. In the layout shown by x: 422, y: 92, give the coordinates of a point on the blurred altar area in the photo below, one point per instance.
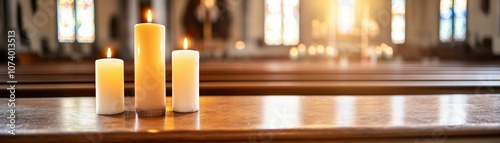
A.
x: 337, y: 31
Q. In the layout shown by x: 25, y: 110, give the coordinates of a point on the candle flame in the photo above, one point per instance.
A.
x: 209, y: 3
x: 150, y: 16
x: 109, y: 53
x: 185, y: 44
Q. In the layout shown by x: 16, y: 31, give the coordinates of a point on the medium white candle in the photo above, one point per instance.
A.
x: 185, y: 80
x: 109, y: 85
x: 149, y: 68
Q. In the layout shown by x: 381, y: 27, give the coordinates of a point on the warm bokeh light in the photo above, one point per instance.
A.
x: 150, y: 16
x: 240, y: 45
x: 294, y: 53
x: 320, y: 49
x: 185, y: 44
x: 153, y: 131
x: 384, y: 49
x: 109, y: 53
x: 389, y: 50
x: 332, y: 52
x: 378, y: 50
x: 302, y: 48
x: 209, y: 3
x: 311, y: 50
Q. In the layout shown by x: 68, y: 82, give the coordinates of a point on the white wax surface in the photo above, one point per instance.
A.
x: 109, y: 84
x: 149, y: 67
x: 185, y: 81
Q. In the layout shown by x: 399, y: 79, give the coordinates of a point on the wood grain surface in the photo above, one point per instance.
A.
x: 441, y: 118
x: 280, y: 78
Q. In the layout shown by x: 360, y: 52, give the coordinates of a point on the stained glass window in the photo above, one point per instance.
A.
x: 346, y: 16
x: 453, y: 20
x: 398, y: 28
x: 291, y: 22
x: 65, y: 21
x: 281, y: 22
x: 75, y: 20
x: 85, y: 21
x: 460, y: 9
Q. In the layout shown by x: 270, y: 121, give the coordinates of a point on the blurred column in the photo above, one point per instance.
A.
x: 3, y: 25
x: 244, y: 4
x: 11, y: 13
x: 160, y: 12
x: 332, y: 23
x: 131, y: 11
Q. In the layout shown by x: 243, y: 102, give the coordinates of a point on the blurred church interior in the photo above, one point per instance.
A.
x: 275, y: 41
x: 270, y: 70
x: 369, y: 31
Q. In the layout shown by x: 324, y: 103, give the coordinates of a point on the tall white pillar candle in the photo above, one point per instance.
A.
x: 109, y: 85
x: 185, y: 80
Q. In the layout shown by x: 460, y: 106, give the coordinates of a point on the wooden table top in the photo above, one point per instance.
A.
x: 438, y: 118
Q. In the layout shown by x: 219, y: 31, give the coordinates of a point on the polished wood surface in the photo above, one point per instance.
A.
x: 282, y: 78
x: 438, y: 118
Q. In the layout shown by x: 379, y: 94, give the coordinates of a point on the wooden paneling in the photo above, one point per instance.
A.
x: 281, y: 78
x: 285, y: 88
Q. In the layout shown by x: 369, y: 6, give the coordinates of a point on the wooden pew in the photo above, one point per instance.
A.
x: 286, y: 88
x: 283, y: 78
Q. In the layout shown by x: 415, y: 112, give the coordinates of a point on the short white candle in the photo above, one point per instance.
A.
x: 185, y: 80
x: 109, y: 85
